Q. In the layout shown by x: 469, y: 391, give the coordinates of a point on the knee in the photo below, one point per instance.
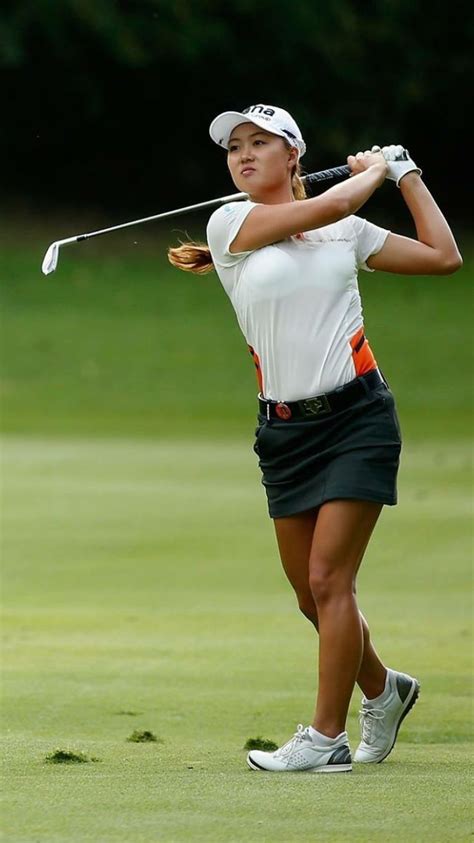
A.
x: 327, y: 583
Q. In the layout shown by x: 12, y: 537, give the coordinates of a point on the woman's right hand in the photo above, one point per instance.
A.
x: 366, y: 160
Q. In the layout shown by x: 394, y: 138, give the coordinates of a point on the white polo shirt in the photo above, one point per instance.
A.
x: 297, y: 301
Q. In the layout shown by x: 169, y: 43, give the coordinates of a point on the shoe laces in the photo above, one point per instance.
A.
x: 368, y: 719
x: 287, y: 748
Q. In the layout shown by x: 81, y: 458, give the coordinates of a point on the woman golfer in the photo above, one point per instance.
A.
x: 328, y: 438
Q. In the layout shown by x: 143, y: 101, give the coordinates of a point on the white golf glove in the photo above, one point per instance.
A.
x: 399, y: 162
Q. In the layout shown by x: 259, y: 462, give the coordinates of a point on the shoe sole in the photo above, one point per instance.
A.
x: 330, y: 768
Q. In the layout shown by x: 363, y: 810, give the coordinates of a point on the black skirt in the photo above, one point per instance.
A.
x: 352, y: 454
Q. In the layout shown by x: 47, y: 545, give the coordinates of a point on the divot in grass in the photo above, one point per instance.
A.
x: 69, y: 756
x: 144, y: 737
x: 261, y: 743
x: 128, y: 713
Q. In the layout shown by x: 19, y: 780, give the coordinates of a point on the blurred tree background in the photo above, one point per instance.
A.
x: 109, y: 101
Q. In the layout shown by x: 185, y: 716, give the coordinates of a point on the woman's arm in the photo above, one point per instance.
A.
x: 434, y: 252
x: 267, y: 224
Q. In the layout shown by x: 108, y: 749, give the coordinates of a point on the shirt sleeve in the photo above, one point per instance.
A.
x: 222, y: 229
x: 369, y: 240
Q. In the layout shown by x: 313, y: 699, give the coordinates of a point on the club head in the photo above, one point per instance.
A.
x: 50, y: 260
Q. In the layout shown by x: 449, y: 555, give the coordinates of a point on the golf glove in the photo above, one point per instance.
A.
x: 399, y: 162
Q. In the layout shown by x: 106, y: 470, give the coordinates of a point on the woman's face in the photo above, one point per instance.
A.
x: 259, y: 161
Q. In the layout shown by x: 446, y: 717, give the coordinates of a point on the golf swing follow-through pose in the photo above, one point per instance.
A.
x: 328, y: 438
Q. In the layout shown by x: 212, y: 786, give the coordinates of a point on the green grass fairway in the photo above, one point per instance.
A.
x: 142, y: 591
x: 141, y: 587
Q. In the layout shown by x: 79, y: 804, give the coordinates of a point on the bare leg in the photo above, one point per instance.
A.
x: 372, y: 671
x: 342, y: 531
x: 295, y: 537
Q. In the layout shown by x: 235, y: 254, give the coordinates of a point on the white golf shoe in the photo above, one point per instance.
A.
x: 303, y: 754
x: 380, y: 719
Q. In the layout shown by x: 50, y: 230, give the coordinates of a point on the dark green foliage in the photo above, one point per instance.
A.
x: 126, y: 91
x: 69, y: 756
x: 261, y: 743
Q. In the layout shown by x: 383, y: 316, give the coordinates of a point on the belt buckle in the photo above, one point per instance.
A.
x: 316, y: 406
x: 283, y: 411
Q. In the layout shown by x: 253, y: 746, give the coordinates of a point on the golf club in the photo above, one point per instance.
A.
x: 50, y: 260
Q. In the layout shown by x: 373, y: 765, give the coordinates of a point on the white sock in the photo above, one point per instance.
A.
x: 321, y: 739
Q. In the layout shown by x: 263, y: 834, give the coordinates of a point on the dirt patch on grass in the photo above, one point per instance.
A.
x: 69, y: 756
x: 261, y: 743
x: 144, y: 737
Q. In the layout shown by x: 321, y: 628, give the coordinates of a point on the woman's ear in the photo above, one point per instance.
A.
x: 293, y: 156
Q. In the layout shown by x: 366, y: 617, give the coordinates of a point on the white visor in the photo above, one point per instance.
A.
x: 267, y: 117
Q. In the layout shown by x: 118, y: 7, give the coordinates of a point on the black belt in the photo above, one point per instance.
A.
x: 321, y: 405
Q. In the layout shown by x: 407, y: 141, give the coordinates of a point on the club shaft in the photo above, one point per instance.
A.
x: 343, y: 171
x: 312, y: 178
x: 235, y: 197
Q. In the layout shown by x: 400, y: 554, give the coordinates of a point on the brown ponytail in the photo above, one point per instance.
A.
x: 191, y: 257
x: 196, y: 257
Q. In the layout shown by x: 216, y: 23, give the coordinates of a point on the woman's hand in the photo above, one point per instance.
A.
x: 366, y: 160
x: 399, y: 162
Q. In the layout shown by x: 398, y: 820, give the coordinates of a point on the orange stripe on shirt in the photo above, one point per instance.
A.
x: 258, y: 368
x: 362, y: 355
